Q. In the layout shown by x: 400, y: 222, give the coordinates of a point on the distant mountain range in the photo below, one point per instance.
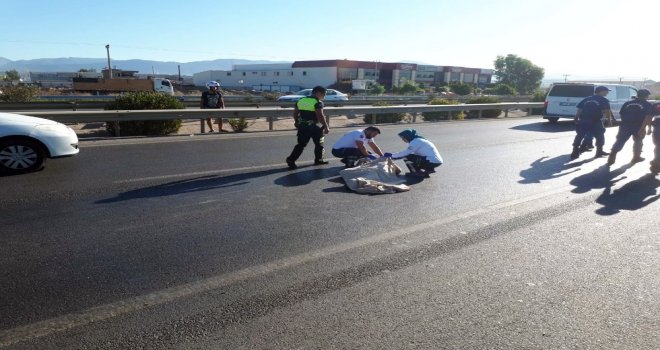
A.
x: 74, y: 64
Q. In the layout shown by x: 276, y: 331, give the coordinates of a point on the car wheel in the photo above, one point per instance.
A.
x: 553, y: 120
x: 21, y: 156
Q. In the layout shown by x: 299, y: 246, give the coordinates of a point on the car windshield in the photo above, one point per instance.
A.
x: 305, y: 92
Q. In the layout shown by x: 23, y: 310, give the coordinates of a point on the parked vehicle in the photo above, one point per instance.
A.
x: 562, y: 98
x: 26, y: 142
x: 104, y: 86
x: 330, y: 95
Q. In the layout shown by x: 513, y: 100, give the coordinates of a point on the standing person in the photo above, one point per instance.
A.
x: 352, y: 145
x: 635, y: 116
x: 309, y: 119
x: 655, y: 163
x: 213, y: 99
x: 421, y: 156
x: 589, y: 118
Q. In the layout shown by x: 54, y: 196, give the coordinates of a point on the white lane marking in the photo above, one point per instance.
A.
x: 108, y: 311
x: 212, y: 172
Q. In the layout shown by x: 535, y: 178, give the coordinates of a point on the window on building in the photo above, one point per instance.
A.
x: 243, y: 73
x: 255, y: 73
x: 289, y: 74
x: 304, y: 73
x: 229, y: 74
x: 263, y: 74
x: 277, y: 74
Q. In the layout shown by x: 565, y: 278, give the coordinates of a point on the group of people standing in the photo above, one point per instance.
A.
x: 421, y: 156
x: 636, y: 117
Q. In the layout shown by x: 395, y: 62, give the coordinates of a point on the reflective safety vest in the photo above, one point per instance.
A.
x: 307, y: 108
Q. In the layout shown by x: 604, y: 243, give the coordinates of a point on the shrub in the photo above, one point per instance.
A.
x: 503, y: 89
x: 269, y: 96
x: 238, y: 124
x: 539, y: 96
x: 377, y: 118
x: 19, y: 93
x: 435, y: 116
x: 461, y: 88
x: 488, y: 113
x: 141, y: 101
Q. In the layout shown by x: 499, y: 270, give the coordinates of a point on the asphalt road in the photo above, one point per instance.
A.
x: 209, y: 242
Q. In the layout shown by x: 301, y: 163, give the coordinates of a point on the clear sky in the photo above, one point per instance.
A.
x: 583, y: 38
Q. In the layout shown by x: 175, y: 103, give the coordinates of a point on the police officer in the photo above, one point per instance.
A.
x: 311, y: 123
x: 588, y: 118
x: 635, y: 116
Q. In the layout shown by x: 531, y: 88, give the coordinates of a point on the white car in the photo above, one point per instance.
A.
x: 26, y: 142
x: 330, y: 95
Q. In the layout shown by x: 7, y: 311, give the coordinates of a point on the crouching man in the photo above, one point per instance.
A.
x: 352, y: 146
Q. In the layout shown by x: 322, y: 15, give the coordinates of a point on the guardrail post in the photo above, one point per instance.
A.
x: 327, y: 120
x: 450, y: 116
x: 481, y: 113
x: 414, y: 117
x: 529, y: 112
x: 506, y: 113
x: 270, y: 123
x: 117, y: 129
x: 202, y: 128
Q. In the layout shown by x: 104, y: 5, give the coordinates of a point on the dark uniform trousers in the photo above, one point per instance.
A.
x: 656, y: 140
x: 625, y: 132
x: 596, y: 128
x: 305, y: 133
x: 419, y: 162
x: 347, y: 155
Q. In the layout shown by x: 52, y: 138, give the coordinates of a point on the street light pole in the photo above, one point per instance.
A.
x: 107, y: 48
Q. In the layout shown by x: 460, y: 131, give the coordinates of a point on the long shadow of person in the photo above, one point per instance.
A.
x: 204, y: 183
x: 301, y: 178
x: 544, y: 126
x: 632, y: 196
x: 602, y: 177
x: 546, y: 168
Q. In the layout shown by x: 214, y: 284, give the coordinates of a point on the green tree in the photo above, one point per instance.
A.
x: 12, y: 75
x: 503, y: 89
x: 461, y: 88
x: 85, y: 70
x: 408, y: 88
x: 518, y: 72
x: 377, y: 89
x: 141, y: 101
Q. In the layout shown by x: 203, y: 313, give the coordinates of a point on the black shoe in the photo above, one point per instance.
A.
x: 321, y: 162
x: 600, y: 153
x: 585, y: 148
x: 292, y: 165
x: 637, y: 159
x: 576, y: 153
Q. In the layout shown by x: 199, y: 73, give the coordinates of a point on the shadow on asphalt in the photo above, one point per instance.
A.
x: 603, y: 177
x: 301, y: 178
x: 632, y: 196
x: 546, y: 168
x: 191, y: 185
x: 545, y: 126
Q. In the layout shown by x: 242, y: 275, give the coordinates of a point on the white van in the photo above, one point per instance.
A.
x: 562, y: 99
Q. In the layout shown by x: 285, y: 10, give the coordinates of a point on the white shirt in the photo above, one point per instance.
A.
x: 421, y: 147
x: 350, y: 138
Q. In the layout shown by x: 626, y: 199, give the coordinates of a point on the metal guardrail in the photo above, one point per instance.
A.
x: 270, y: 113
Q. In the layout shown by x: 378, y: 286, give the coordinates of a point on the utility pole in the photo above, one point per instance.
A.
x: 566, y: 78
x: 107, y: 48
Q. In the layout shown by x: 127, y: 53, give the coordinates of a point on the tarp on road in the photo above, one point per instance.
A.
x: 375, y: 177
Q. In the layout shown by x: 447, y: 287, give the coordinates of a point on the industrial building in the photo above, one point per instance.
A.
x: 285, y: 77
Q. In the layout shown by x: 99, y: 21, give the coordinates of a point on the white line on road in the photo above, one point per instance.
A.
x: 108, y: 311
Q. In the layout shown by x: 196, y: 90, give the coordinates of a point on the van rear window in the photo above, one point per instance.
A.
x: 572, y: 90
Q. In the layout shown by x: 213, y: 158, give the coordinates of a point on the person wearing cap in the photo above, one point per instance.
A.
x: 213, y: 99
x: 309, y: 119
x: 353, y: 145
x: 421, y: 156
x: 589, y: 118
x: 635, y: 116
